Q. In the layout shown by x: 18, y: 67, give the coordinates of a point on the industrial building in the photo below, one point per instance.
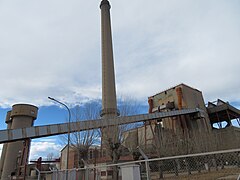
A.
x: 167, y: 130
x: 186, y: 133
x: 178, y: 135
x: 97, y: 155
x: 15, y: 155
x: 180, y: 97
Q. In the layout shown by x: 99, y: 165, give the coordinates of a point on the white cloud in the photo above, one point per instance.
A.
x: 43, y: 147
x: 52, y: 48
x: 194, y: 43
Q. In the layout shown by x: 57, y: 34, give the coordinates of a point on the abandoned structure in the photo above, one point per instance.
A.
x: 15, y: 155
x: 186, y: 134
x: 177, y: 135
x: 180, y: 97
x: 169, y: 131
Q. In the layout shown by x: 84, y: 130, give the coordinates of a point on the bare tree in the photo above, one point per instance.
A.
x: 50, y: 156
x: 114, y: 134
x: 128, y: 106
x: 81, y: 141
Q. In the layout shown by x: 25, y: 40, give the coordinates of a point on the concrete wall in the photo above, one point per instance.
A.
x: 63, y: 162
x: 190, y: 98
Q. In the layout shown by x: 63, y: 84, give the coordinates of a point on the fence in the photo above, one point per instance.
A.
x: 212, y: 165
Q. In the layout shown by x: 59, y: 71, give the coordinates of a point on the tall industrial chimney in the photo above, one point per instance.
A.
x: 109, y: 102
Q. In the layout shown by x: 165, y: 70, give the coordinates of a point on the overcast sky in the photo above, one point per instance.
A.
x: 52, y: 48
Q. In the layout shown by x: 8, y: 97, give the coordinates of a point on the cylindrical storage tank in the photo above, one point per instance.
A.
x: 22, y: 116
x: 8, y: 121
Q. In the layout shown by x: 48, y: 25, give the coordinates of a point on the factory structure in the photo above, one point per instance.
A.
x: 185, y: 134
x: 15, y: 154
x: 178, y: 122
x: 178, y: 135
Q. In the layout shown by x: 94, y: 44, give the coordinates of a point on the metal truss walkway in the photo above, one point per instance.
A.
x: 11, y: 135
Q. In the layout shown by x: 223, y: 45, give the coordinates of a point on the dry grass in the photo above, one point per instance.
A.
x: 223, y: 174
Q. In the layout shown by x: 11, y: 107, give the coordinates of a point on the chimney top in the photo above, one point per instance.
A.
x: 105, y: 2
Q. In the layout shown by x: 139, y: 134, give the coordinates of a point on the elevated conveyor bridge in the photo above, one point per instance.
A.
x: 11, y: 135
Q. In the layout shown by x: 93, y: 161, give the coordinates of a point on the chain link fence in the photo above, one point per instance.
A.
x: 207, y: 166
x: 216, y: 165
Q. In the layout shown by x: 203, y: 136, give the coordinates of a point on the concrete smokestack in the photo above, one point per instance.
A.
x: 8, y: 121
x: 22, y: 115
x: 109, y: 102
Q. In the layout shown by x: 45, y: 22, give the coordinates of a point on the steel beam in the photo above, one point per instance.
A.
x: 11, y: 135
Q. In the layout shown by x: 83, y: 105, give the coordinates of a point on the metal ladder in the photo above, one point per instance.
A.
x: 23, y: 160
